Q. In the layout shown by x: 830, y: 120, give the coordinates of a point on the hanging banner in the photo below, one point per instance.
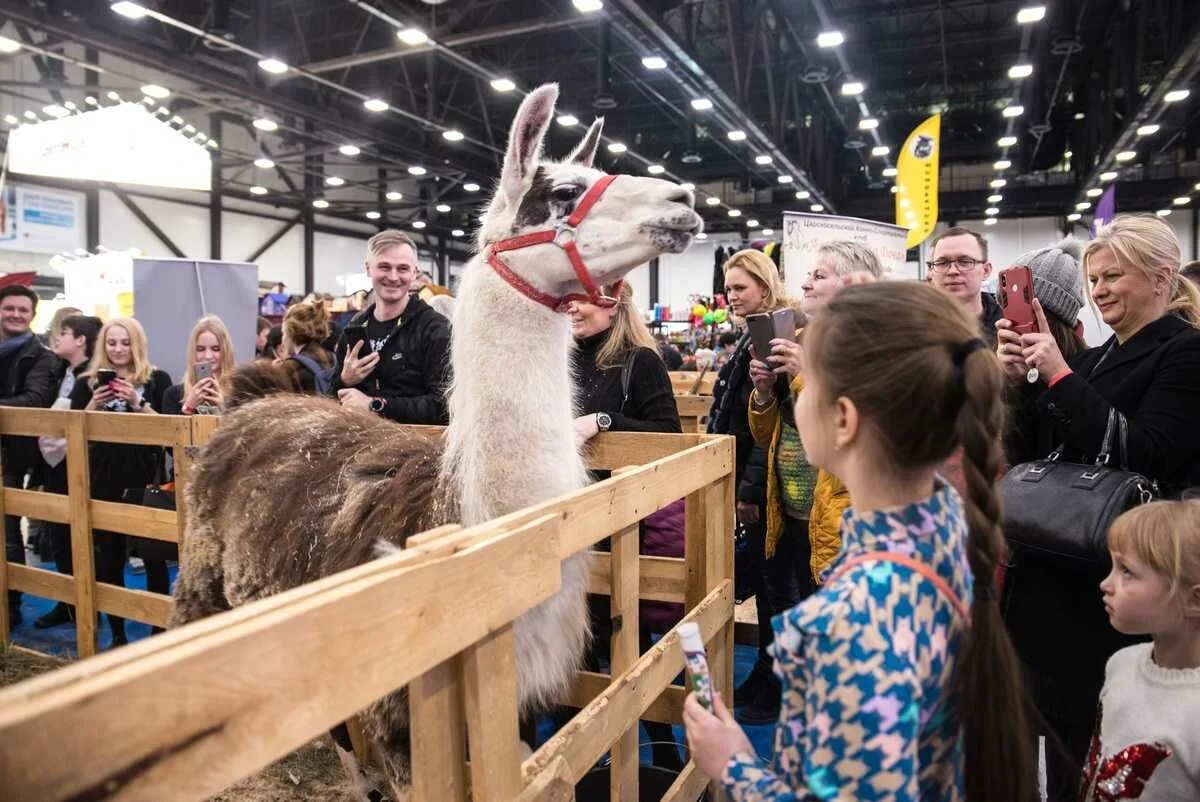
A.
x: 804, y: 234
x: 41, y: 220
x: 1106, y: 209
x: 917, y: 180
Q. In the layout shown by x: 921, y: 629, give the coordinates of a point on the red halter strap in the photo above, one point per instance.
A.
x: 564, y: 237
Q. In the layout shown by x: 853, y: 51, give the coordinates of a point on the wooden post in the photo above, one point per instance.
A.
x: 718, y: 550
x: 490, y: 692
x: 438, y: 735
x: 79, y: 490
x: 625, y: 651
x: 694, y: 553
x: 4, y: 613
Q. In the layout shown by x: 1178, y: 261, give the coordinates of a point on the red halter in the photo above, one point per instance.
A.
x: 564, y: 237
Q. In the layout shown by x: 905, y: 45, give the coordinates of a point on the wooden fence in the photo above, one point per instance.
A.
x: 686, y: 382
x: 187, y: 713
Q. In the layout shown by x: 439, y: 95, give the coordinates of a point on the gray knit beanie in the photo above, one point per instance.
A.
x: 1056, y: 277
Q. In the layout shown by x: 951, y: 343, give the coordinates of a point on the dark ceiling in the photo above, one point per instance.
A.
x: 1100, y: 67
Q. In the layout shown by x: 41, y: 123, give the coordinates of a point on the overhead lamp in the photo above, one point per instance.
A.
x: 417, y: 169
x: 992, y: 210
x: 702, y: 236
x: 567, y: 120
x: 736, y: 136
x: 1197, y: 187
x: 263, y: 163
x: 617, y: 147
x: 1031, y: 14
x: 851, y: 88
x: 91, y: 101
x: 701, y: 103
x: 372, y: 215
x: 997, y: 183
x: 654, y: 62
x: 189, y: 128
x: 712, y: 200
x: 29, y: 115
x: 11, y: 120
x: 412, y: 36
x: 1073, y: 216
x: 587, y: 6
x: 257, y: 190
x: 1147, y: 130
x: 1182, y: 200
x: 766, y: 232
x: 163, y: 111
x: 1013, y: 111
x: 1176, y: 95
x: 656, y: 169
x: 418, y: 224
x: 265, y: 124
x: 734, y: 213
x: 1067, y: 154
x: 784, y: 179
x: 688, y: 186
x: 803, y: 194
x: 894, y: 189
x: 503, y: 85
x: 71, y: 105
x: 130, y: 10
x: 111, y: 95
x: 751, y: 223
x: 349, y: 150
x: 212, y: 143
x: 320, y: 203
x: 394, y: 195
x: 880, y: 150
x: 889, y: 172
x: 1020, y: 71
x: 149, y: 101
x: 375, y: 104
x: 1109, y: 175
x: 764, y: 158
x: 1126, y: 155
x: 273, y: 66
x: 457, y: 232
x: 905, y: 203
x: 816, y: 207
x: 868, y: 124
x: 1002, y: 164
x: 155, y: 91
x: 471, y: 186
x: 1083, y: 206
x: 1094, y: 192
x: 334, y: 181
x: 991, y: 221
x: 1163, y: 212
x: 1079, y: 115
x: 443, y: 207
x: 1006, y: 141
x: 452, y: 135
x: 830, y: 39
x: 56, y: 111
x: 995, y: 198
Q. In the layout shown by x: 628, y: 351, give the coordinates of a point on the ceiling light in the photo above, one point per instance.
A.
x: 412, y: 36
x: 868, y: 124
x: 55, y: 110
x: 880, y: 150
x: 452, y: 135
x: 1003, y: 164
x: 418, y: 224
x: 443, y: 207
x: 1182, y: 200
x: 712, y: 200
x: 764, y: 158
x: 10, y: 119
x: 334, y: 181
x: 503, y: 85
x: 803, y: 194
x: 1109, y: 175
x: 373, y: 215
x: 617, y: 147
x: 264, y: 124
x: 905, y: 203
x: 1030, y: 14
x: 1020, y: 71
x: 163, y: 111
x: 1073, y: 216
x: 830, y: 39
x: 1147, y: 130
x: 131, y: 10
x: 1068, y: 154
x: 113, y: 96
x: 263, y: 163
x: 417, y: 169
x: 29, y: 115
x: 189, y: 128
x: 991, y: 221
x: 394, y: 195
x: 654, y: 62
x: 588, y: 6
x: 1176, y: 95
x: 852, y: 88
x: 273, y: 66
x: 1094, y: 192
x: 997, y: 183
x: 656, y: 169
x: 1126, y: 155
x: 736, y: 136
x: 752, y: 223
x: 894, y: 189
x: 992, y: 210
x: 212, y: 143
x: 701, y: 103
x: 766, y: 232
x: 994, y: 198
x: 375, y: 104
x: 1079, y: 115
x: 1083, y: 206
x: 320, y: 203
x: 257, y: 190
x: 1013, y: 111
x: 1197, y: 187
x: 688, y: 186
x: 1163, y: 212
x: 816, y: 207
x: 458, y: 232
x: 471, y: 186
x: 567, y: 120
x: 889, y: 172
x: 784, y: 179
x: 155, y: 91
x: 702, y: 236
x: 349, y: 150
x: 91, y: 101
x: 734, y: 212
x: 1006, y: 141
x: 70, y: 105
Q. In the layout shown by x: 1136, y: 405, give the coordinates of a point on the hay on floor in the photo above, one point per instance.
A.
x: 17, y: 664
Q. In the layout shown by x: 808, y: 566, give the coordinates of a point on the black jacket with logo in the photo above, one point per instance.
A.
x: 414, y: 365
x: 30, y: 379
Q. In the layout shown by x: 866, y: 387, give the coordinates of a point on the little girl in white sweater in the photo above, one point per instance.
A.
x: 1147, y: 746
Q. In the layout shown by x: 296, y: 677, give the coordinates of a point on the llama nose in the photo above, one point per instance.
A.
x: 681, y: 195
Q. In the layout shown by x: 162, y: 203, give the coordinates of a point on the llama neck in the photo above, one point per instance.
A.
x: 510, y: 442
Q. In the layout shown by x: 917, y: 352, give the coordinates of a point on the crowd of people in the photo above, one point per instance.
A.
x: 908, y: 647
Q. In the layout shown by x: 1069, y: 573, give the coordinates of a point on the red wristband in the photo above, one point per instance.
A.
x: 1057, y: 377
x: 187, y: 410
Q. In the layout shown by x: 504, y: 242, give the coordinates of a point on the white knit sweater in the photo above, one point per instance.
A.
x: 1154, y: 707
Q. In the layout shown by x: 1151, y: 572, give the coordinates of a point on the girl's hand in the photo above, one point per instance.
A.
x: 126, y: 392
x: 787, y: 357
x: 197, y: 395
x: 1040, y: 349
x: 212, y: 393
x: 763, y: 379
x: 713, y: 739
x: 100, y: 397
x: 1009, y: 351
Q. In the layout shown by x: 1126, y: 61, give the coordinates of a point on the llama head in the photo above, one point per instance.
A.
x: 633, y: 221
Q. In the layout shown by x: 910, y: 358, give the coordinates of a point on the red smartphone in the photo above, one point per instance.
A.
x: 762, y: 331
x: 1016, y: 298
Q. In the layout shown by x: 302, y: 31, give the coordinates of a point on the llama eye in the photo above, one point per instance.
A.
x: 566, y: 192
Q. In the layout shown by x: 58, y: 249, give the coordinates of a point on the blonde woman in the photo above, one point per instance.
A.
x: 120, y: 379
x: 210, y: 363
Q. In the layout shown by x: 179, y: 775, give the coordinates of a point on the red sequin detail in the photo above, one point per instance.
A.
x: 1124, y: 775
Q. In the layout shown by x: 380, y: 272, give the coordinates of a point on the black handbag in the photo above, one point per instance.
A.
x: 1062, y: 511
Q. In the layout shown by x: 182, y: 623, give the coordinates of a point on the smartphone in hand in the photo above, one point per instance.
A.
x: 783, y: 323
x: 762, y: 331
x: 202, y: 371
x: 357, y: 334
x: 105, y: 377
x: 1016, y: 296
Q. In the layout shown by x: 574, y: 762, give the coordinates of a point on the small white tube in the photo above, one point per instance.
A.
x: 697, y: 664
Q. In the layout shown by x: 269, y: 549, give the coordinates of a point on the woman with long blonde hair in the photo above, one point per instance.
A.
x: 210, y: 364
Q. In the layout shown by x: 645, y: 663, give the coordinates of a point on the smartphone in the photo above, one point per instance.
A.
x: 1016, y: 298
x: 105, y: 377
x: 356, y: 334
x: 202, y: 371
x: 783, y: 322
x: 762, y: 331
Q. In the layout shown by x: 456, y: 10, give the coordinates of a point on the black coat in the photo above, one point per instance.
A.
x: 31, y: 380
x: 650, y: 406
x: 730, y: 412
x: 414, y: 365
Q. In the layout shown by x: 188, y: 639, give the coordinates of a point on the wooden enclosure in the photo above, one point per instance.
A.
x: 187, y: 713
x: 688, y: 382
x: 693, y: 412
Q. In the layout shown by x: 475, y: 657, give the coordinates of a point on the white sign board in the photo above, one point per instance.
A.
x: 804, y: 234
x: 40, y: 220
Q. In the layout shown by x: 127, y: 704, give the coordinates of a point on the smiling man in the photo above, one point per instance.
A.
x: 392, y: 358
x: 958, y: 265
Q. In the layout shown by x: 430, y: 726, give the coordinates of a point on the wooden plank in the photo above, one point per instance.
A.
x: 659, y: 578
x: 134, y: 519
x: 202, y: 726
x: 83, y: 568
x: 145, y: 430
x: 5, y: 635
x: 40, y: 582
x: 687, y: 786
x: 624, y: 652
x: 694, y: 557
x: 551, y: 785
x: 667, y: 708
x: 33, y: 422
x: 37, y: 504
x: 489, y: 671
x: 430, y: 535
x: 437, y: 734
x: 588, y: 736
x: 616, y: 449
x: 149, y: 608
x: 696, y: 406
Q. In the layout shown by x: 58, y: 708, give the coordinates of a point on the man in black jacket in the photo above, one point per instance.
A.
x: 400, y: 369
x: 958, y: 265
x: 29, y: 375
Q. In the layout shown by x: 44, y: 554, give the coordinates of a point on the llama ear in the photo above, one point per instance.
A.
x: 525, y: 141
x: 585, y: 151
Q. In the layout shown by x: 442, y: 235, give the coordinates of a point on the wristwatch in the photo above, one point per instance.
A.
x: 377, y: 405
x: 603, y: 421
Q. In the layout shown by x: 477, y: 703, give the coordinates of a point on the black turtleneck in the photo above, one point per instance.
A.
x: 651, y: 403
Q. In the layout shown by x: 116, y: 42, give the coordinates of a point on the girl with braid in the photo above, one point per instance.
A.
x: 899, y: 679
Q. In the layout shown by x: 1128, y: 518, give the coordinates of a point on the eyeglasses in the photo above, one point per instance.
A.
x: 964, y: 265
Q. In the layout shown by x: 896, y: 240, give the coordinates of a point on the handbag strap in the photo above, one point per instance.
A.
x: 626, y: 377
x: 922, y: 568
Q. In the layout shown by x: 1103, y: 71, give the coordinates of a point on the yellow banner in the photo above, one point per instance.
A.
x: 917, y: 181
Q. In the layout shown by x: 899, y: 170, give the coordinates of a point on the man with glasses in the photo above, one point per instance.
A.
x: 958, y: 266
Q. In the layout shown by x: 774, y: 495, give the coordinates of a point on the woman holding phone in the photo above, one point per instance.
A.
x: 210, y: 363
x: 119, y: 379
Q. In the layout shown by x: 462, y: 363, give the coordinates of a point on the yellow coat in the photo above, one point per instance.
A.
x: 830, y: 497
